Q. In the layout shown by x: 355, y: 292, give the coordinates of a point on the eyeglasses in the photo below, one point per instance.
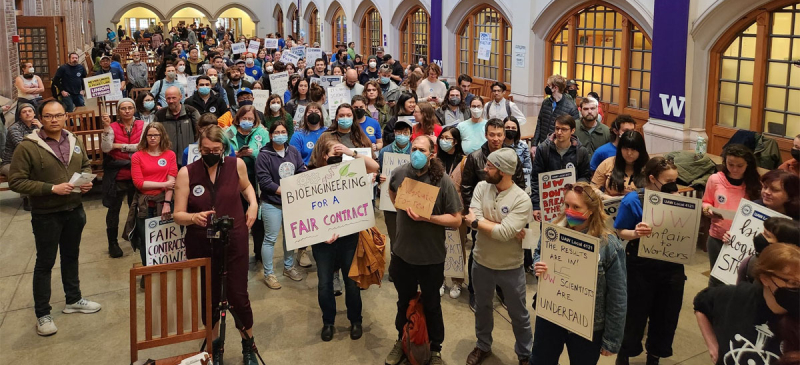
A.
x: 210, y: 152
x: 50, y: 117
x: 578, y: 189
x: 153, y: 136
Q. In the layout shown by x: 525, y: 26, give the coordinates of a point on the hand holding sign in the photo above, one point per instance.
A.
x: 417, y: 198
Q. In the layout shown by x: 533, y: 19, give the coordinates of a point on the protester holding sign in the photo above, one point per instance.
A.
x: 655, y: 287
x: 310, y: 130
x: 739, y: 179
x: 299, y: 96
x: 584, y: 213
x: 204, y: 192
x: 499, y: 211
x: 419, y: 252
x: 776, y: 230
x: 401, y: 145
x: 343, y: 131
x: 453, y: 158
x: 621, y: 174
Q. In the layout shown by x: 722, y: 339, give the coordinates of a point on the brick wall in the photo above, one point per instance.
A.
x: 8, y: 20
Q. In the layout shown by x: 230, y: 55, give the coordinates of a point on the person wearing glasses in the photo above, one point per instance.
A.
x: 500, y: 107
x: 40, y: 168
x: 554, y: 105
x: 584, y: 213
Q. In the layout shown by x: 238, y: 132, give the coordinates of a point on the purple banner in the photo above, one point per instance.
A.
x: 435, y: 33
x: 668, y: 74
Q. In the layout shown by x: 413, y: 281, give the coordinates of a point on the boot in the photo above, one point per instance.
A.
x: 113, y: 246
x: 248, y: 353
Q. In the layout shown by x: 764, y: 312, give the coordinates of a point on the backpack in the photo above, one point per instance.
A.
x: 416, y: 344
x: 508, y: 107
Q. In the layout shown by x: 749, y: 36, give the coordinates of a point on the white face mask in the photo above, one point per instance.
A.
x: 373, y: 65
x: 274, y: 107
x: 30, y: 70
x: 181, y: 68
x: 249, y: 61
x: 270, y: 68
x: 476, y: 112
x: 213, y: 80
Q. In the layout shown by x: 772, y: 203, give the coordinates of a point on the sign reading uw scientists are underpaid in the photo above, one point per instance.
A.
x: 331, y: 199
x: 566, y: 293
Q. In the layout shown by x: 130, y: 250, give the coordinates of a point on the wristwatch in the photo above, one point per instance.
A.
x: 474, y: 224
x: 355, y: 154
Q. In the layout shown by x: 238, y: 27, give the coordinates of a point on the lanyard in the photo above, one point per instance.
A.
x: 212, y: 186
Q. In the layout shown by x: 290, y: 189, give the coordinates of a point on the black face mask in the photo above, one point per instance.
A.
x: 789, y: 299
x: 760, y: 243
x: 211, y: 159
x: 796, y: 154
x: 313, y: 118
x: 669, y: 188
x: 573, y: 93
x: 548, y: 90
x: 334, y: 160
x: 360, y: 113
x: 512, y: 135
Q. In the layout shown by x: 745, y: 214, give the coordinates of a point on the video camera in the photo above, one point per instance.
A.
x: 222, y: 224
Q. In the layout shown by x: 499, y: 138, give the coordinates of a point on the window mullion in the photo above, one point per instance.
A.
x: 760, y: 73
x: 572, y: 50
x: 624, y: 66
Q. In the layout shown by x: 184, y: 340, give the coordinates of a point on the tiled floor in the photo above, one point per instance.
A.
x: 287, y: 321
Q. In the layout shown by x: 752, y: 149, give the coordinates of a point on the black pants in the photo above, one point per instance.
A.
x: 655, y: 293
x: 124, y: 188
x: 52, y: 231
x: 429, y: 278
x: 549, y: 340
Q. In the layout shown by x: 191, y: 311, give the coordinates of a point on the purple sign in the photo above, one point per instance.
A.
x: 435, y: 33
x: 668, y: 74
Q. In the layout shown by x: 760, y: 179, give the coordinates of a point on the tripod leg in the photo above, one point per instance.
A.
x: 247, y: 338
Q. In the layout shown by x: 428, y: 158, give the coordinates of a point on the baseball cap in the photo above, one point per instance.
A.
x: 572, y: 82
x: 244, y: 90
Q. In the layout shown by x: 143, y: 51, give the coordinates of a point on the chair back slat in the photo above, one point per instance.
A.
x: 179, y: 298
x: 164, y: 307
x: 195, y: 298
x: 148, y: 307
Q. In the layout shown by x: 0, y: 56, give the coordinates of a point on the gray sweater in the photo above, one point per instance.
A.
x: 511, y: 208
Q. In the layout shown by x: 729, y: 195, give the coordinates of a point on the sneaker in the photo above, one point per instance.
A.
x: 436, y: 358
x: 305, y: 259
x: 82, y: 306
x: 477, y: 356
x: 396, y: 355
x: 272, y: 282
x: 45, y: 326
x: 337, y: 284
x: 441, y: 290
x: 455, y: 291
x: 293, y: 273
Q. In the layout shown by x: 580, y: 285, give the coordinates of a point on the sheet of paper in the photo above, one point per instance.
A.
x: 81, y: 179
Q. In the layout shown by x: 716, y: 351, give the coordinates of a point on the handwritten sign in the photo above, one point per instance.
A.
x: 337, y: 96
x: 193, y: 154
x: 327, y: 200
x: 454, y: 261
x: 191, y: 85
x: 300, y: 51
x: 163, y: 242
x: 254, y: 46
x: 566, y: 294
x: 418, y: 196
x: 271, y: 43
x: 237, y: 48
x: 279, y: 82
x: 313, y: 54
x: 484, y: 46
x: 116, y: 91
x: 260, y: 100
x: 748, y: 222
x: 289, y: 57
x: 97, y: 86
x: 675, y: 220
x: 551, y: 191
x: 519, y: 55
x: 391, y: 161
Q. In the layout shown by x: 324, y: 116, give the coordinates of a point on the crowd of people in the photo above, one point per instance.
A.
x: 193, y: 157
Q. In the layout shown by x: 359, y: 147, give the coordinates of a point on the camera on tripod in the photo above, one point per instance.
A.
x: 222, y: 224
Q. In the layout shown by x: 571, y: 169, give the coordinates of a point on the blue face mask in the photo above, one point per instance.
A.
x: 401, y: 139
x: 385, y: 80
x: 246, y: 124
x: 446, y: 145
x: 204, y: 90
x: 149, y: 105
x: 280, y: 138
x: 418, y: 160
x: 345, y: 123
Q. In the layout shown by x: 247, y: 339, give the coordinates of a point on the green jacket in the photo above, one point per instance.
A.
x: 258, y: 137
x: 692, y: 169
x: 268, y: 120
x: 35, y: 169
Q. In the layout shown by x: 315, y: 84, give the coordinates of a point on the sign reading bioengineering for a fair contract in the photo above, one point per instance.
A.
x: 327, y: 200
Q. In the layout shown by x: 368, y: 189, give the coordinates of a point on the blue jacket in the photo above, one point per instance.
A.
x: 304, y: 141
x: 524, y: 154
x: 271, y: 167
x: 548, y: 159
x: 611, y: 301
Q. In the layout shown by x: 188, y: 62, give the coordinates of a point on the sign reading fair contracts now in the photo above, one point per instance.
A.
x: 163, y: 242
x: 748, y: 222
x: 327, y: 200
x: 675, y: 220
x: 566, y: 293
x: 97, y: 86
x: 418, y: 196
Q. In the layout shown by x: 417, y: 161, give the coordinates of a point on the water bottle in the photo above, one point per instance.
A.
x: 701, y: 147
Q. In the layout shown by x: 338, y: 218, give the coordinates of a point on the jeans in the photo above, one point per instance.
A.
x: 429, y: 278
x: 72, y: 101
x: 124, y: 188
x: 330, y: 258
x: 549, y: 344
x: 272, y: 216
x: 714, y: 246
x: 52, y: 231
x: 513, y: 284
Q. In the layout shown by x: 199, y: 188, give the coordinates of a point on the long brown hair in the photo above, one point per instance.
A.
x: 357, y: 136
x: 597, y: 220
x: 778, y: 258
x: 379, y: 101
x: 321, y: 148
x: 428, y: 118
x: 164, y: 143
x: 752, y: 183
x: 267, y: 111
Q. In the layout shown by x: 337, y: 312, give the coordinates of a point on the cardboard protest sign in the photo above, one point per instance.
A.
x: 675, y: 220
x: 279, y: 82
x: 237, y: 48
x: 329, y: 81
x: 193, y: 154
x: 484, y: 46
x: 418, y: 196
x: 748, y: 222
x: 254, y: 46
x: 391, y: 161
x: 289, y: 57
x: 260, y: 100
x: 312, y: 54
x: 271, y: 43
x: 454, y: 261
x: 97, y: 86
x: 551, y: 191
x: 566, y: 293
x: 163, y: 242
x: 327, y: 200
x: 300, y: 51
x: 337, y: 96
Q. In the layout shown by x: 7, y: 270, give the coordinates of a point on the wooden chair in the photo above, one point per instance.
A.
x: 81, y: 121
x: 164, y: 338
x: 134, y: 93
x: 92, y: 140
x: 110, y: 108
x: 476, y: 90
x: 89, y: 63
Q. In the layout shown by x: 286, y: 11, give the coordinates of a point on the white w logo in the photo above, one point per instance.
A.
x: 671, y: 106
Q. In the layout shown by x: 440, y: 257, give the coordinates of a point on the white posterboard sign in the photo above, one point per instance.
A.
x: 254, y: 46
x: 271, y: 43
x: 97, y: 86
x: 551, y: 191
x: 237, y: 48
x: 298, y: 114
x: 312, y: 54
x: 116, y: 91
x: 163, y: 242
x: 260, y: 100
x: 300, y: 51
x: 391, y: 161
x: 675, y: 220
x: 289, y: 57
x: 566, y: 293
x: 611, y: 206
x: 484, y: 46
x: 327, y: 200
x: 409, y: 119
x: 454, y: 261
x: 279, y: 82
x: 532, y: 234
x: 328, y: 82
x: 191, y: 85
x: 337, y: 96
x: 193, y: 154
x: 748, y: 222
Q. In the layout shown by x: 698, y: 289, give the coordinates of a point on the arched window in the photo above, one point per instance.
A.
x: 605, y: 51
x: 371, y: 31
x: 414, y: 36
x: 313, y: 27
x: 498, y: 65
x: 279, y: 18
x: 753, y: 82
x: 339, y: 27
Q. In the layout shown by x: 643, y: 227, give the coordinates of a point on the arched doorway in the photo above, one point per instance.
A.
x: 339, y: 27
x: 294, y: 19
x: 279, y: 19
x: 753, y: 81
x: 371, y: 31
x: 187, y: 15
x: 238, y: 21
x: 313, y: 33
x: 414, y: 35
x: 484, y: 72
x: 138, y: 19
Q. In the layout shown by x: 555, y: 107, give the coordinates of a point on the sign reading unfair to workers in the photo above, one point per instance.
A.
x: 748, y: 222
x: 551, y: 191
x: 327, y: 200
x: 675, y: 220
x: 566, y: 293
x: 97, y: 86
x: 163, y: 242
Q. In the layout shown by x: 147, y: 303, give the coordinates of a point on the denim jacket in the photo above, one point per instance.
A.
x: 611, y: 302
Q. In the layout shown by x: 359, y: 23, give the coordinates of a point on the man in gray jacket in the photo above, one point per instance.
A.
x: 137, y: 72
x: 180, y: 121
